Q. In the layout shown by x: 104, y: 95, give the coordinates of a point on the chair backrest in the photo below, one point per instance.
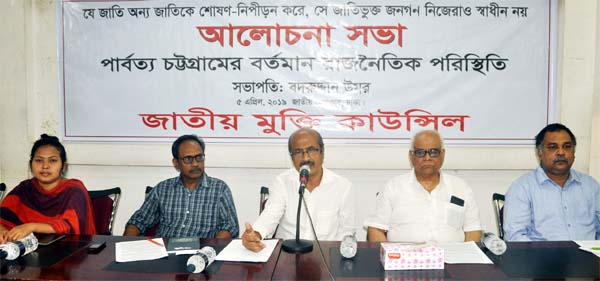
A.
x: 151, y: 231
x: 264, y: 196
x: 105, y: 203
x: 498, y: 200
x: 2, y: 190
x: 148, y: 189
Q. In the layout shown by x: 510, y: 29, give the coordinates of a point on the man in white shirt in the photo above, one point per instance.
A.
x: 425, y: 204
x: 328, y: 197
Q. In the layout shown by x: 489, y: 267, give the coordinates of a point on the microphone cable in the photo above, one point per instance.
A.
x: 312, y: 227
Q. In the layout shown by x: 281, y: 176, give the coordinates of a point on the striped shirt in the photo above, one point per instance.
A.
x: 179, y: 212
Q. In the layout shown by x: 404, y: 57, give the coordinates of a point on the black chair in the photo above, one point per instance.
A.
x: 264, y: 196
x: 152, y: 230
x: 148, y: 189
x: 498, y: 200
x: 2, y: 190
x: 105, y: 203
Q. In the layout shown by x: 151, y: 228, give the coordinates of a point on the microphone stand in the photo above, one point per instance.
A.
x: 298, y: 245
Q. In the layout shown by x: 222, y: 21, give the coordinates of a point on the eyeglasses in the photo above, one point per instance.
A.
x: 433, y: 152
x: 311, y: 151
x: 189, y: 159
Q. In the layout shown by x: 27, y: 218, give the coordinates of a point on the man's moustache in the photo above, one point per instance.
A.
x: 561, y: 159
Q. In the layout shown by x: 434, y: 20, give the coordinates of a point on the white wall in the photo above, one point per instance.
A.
x: 29, y: 106
x: 595, y: 153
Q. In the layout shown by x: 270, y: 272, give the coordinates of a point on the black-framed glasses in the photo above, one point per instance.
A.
x: 311, y: 151
x: 189, y: 159
x: 433, y: 152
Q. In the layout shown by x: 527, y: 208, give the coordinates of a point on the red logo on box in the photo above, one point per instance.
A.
x: 393, y: 255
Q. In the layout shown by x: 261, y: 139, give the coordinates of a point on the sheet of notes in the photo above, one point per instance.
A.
x: 464, y: 252
x: 141, y: 250
x: 235, y: 251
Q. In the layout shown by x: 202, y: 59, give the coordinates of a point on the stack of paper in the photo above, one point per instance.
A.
x: 235, y: 251
x: 464, y: 252
x: 141, y: 250
x: 592, y: 246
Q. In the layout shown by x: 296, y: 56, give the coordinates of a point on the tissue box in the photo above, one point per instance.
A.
x: 397, y: 256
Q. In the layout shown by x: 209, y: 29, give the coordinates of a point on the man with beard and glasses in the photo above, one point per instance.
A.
x: 190, y: 205
x: 553, y: 202
x: 328, y: 198
x: 425, y: 204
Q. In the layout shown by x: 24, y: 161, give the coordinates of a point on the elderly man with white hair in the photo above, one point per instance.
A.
x: 426, y: 204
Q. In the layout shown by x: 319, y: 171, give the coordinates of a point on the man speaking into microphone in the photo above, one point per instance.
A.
x: 328, y: 196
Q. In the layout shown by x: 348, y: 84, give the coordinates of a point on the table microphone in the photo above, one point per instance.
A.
x: 299, y: 245
x: 304, y: 175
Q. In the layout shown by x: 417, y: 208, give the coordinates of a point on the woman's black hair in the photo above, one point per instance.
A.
x: 52, y: 141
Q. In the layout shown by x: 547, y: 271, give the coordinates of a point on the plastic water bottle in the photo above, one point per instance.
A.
x: 496, y: 245
x: 19, y: 248
x: 198, y: 262
x: 348, y: 246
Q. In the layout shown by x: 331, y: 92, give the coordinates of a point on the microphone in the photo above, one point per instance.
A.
x: 304, y: 175
x: 299, y: 245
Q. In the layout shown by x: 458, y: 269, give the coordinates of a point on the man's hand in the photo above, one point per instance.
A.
x: 131, y: 230
x: 223, y: 234
x: 376, y: 235
x: 473, y: 236
x: 251, y: 239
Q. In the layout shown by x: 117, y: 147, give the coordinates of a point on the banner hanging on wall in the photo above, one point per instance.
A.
x: 357, y: 71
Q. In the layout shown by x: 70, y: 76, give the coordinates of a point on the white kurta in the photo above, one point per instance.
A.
x: 409, y: 213
x: 331, y: 206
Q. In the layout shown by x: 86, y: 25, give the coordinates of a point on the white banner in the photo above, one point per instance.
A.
x: 357, y: 71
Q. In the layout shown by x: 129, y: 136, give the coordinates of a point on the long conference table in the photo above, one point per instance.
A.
x: 68, y: 259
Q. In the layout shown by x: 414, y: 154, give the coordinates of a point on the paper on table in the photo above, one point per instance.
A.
x: 592, y: 246
x: 464, y: 252
x: 235, y: 251
x: 141, y: 250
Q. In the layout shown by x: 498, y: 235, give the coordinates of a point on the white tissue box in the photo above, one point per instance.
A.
x: 399, y: 256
